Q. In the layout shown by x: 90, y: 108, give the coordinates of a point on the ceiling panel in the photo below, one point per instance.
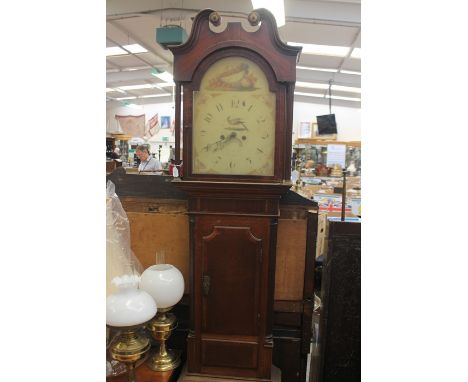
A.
x: 130, y: 60
x: 311, y: 33
x: 320, y: 61
x: 324, y: 22
x: 352, y: 64
x: 143, y: 31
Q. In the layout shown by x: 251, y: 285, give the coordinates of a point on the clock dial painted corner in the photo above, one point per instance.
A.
x: 234, y: 120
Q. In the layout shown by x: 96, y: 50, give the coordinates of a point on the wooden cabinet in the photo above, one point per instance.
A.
x: 249, y: 272
x: 340, y: 320
x: 233, y: 250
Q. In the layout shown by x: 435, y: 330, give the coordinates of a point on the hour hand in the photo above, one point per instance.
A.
x: 223, y: 141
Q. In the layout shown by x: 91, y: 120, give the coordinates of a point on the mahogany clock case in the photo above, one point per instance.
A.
x: 264, y: 48
x: 233, y: 206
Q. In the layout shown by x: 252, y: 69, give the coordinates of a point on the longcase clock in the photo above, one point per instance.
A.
x: 235, y: 90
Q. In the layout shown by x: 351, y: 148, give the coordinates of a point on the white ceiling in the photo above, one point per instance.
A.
x: 326, y: 22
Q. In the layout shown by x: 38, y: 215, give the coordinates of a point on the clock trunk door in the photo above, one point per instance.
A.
x: 231, y: 276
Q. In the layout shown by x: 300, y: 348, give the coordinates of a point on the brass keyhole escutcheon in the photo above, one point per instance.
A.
x: 206, y: 281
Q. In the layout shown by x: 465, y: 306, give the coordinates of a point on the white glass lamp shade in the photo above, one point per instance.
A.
x: 164, y: 283
x: 129, y: 306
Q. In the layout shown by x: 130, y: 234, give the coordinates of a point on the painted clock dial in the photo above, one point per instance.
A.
x: 234, y: 116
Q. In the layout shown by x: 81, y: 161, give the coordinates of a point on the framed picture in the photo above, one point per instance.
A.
x: 315, y: 134
x: 165, y: 122
x: 305, y: 130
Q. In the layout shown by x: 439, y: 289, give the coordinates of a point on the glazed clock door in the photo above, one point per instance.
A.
x: 234, y: 116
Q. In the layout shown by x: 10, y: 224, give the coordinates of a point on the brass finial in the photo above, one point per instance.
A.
x: 254, y: 18
x: 215, y: 18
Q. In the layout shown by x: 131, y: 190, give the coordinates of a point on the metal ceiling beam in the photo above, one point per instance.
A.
x: 339, y: 13
x: 353, y: 45
x: 134, y: 75
x: 324, y: 101
x: 138, y: 41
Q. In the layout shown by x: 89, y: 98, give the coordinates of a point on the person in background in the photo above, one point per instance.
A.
x: 147, y: 162
x: 115, y: 154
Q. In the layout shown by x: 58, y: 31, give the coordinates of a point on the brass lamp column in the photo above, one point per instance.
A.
x: 165, y: 284
x: 161, y: 328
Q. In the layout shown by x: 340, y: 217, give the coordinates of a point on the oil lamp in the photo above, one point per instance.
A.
x: 165, y: 284
x: 128, y: 310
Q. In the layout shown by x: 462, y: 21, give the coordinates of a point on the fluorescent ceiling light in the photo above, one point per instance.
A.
x: 115, y: 90
x: 114, y: 51
x: 356, y: 53
x: 274, y: 6
x: 155, y: 95
x: 327, y: 96
x: 322, y: 50
x: 344, y: 98
x: 135, y: 87
x: 317, y: 69
x: 350, y: 72
x: 162, y: 75
x: 346, y: 89
x: 122, y: 98
x: 135, y: 68
x: 315, y: 85
x: 309, y: 94
x: 133, y: 105
x: 117, y: 51
x: 165, y: 84
x: 135, y: 48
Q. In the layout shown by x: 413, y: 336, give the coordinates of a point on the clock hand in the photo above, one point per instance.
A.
x: 233, y: 137
x: 219, y: 145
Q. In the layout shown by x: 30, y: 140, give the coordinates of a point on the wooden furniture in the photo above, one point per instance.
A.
x: 157, y: 212
x: 237, y: 125
x: 145, y: 374
x: 315, y: 141
x: 110, y: 166
x: 340, y: 319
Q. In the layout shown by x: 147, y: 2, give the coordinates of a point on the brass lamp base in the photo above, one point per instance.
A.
x: 129, y: 348
x: 161, y: 328
x: 169, y: 361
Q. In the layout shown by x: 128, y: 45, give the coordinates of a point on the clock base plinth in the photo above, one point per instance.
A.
x: 186, y: 377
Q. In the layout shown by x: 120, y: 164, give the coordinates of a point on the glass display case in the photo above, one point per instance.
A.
x: 324, y: 184
x: 121, y: 141
x: 312, y: 155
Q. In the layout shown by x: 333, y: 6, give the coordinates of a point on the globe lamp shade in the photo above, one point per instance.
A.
x: 164, y: 283
x: 128, y: 307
